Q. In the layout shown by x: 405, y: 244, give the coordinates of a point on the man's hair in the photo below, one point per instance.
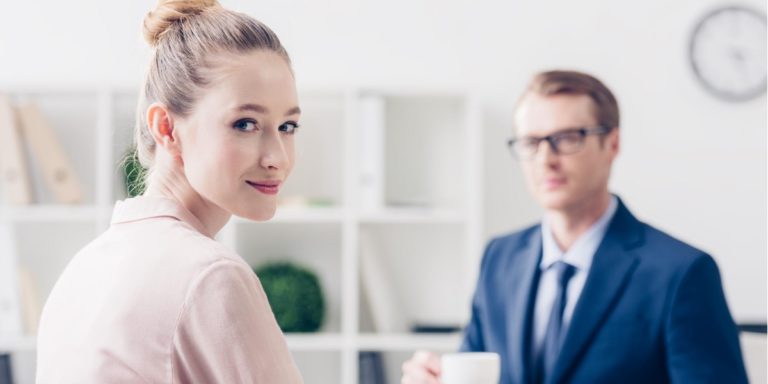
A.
x: 558, y: 82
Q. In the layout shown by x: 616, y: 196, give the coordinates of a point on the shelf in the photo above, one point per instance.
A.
x: 296, y: 342
x: 17, y: 343
x: 386, y: 216
x: 53, y: 213
x: 375, y: 342
x: 314, y: 341
x: 413, y: 215
x: 317, y: 342
x: 425, y: 228
x: 319, y: 250
x: 409, y: 342
x: 332, y: 215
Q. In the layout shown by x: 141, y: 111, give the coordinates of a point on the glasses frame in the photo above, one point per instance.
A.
x: 553, y: 140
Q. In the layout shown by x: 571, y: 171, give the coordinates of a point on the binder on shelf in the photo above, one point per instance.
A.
x: 386, y: 312
x: 55, y: 165
x: 10, y: 315
x: 30, y: 301
x: 6, y: 372
x: 371, y: 153
x: 14, y: 173
x: 371, y: 368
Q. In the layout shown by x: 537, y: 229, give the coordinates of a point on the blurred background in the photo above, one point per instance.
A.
x: 403, y: 173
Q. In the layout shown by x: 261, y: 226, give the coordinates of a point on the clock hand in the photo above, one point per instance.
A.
x: 737, y: 56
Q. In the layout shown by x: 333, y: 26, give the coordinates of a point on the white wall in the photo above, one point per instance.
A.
x: 691, y: 164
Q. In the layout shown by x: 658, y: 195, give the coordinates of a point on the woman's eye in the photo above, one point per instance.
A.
x: 289, y: 127
x: 245, y: 125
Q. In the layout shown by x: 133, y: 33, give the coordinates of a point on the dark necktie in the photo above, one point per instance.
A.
x: 553, y: 337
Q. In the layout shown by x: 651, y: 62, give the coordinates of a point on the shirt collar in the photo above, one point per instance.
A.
x: 583, y: 250
x: 147, y: 207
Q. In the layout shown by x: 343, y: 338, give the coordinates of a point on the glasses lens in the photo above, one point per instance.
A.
x: 526, y: 147
x: 568, y: 142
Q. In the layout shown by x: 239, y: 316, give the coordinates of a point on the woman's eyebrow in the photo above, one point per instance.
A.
x: 293, y: 111
x: 253, y: 107
x: 262, y: 109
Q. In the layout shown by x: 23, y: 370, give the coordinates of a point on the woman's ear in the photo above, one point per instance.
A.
x: 160, y: 124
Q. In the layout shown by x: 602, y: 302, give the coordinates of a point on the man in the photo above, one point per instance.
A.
x: 591, y: 295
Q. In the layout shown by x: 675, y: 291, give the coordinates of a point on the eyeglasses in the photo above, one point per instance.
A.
x: 565, y: 142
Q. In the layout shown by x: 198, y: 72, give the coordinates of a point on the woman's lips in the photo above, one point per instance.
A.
x: 265, y: 187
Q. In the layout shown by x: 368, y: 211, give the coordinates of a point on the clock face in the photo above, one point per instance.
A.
x: 728, y: 53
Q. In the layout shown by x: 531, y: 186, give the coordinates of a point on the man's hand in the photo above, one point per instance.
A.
x: 422, y: 368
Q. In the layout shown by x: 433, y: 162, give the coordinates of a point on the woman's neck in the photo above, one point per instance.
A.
x: 171, y: 182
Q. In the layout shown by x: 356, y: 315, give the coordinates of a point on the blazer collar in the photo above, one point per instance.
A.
x: 146, y: 207
x: 523, y: 281
x: 613, y: 264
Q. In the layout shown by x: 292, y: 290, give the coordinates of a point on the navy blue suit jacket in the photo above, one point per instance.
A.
x: 652, y: 311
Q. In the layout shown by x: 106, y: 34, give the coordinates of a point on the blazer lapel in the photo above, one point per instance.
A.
x: 524, y: 284
x: 612, y: 266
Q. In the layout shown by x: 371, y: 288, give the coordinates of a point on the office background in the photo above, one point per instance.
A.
x: 691, y: 164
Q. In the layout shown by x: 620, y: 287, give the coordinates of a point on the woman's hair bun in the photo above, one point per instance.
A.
x: 168, y: 12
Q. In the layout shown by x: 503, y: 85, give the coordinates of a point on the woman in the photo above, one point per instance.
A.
x: 155, y: 298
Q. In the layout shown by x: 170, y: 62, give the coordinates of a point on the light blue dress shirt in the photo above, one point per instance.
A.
x: 580, y: 256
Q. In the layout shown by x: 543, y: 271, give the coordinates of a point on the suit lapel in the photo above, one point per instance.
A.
x: 612, y: 266
x: 524, y: 283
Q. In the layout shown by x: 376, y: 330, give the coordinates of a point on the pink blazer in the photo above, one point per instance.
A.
x: 154, y: 300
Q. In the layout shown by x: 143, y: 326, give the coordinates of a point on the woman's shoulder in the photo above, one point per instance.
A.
x: 205, y: 250
x: 183, y: 252
x: 168, y: 237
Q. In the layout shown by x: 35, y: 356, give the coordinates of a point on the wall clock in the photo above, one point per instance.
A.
x: 727, y: 52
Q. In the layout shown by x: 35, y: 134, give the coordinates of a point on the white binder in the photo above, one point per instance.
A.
x: 371, y: 154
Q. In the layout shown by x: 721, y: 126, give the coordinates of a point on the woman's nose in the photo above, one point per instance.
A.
x: 273, y: 152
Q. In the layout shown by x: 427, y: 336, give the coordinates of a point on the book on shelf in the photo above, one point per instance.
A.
x: 56, y: 167
x: 14, y: 173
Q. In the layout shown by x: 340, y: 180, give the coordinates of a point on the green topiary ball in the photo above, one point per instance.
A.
x: 294, y: 294
x: 133, y: 174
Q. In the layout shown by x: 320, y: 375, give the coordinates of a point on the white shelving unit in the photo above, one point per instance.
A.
x: 425, y: 223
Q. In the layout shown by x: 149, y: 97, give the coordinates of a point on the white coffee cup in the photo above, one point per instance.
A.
x: 470, y: 368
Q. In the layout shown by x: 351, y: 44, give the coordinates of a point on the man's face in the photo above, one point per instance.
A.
x: 564, y: 182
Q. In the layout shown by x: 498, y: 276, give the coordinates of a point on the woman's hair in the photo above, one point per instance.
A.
x: 187, y: 35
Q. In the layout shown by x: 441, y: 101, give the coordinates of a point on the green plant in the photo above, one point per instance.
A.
x: 133, y: 174
x: 295, y: 295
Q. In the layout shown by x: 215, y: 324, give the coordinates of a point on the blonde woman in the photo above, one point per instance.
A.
x: 155, y: 298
